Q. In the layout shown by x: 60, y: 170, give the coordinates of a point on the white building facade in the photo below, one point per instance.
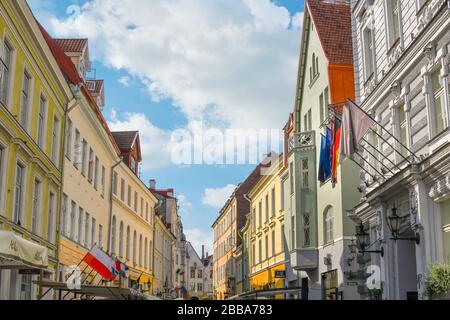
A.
x: 401, y: 57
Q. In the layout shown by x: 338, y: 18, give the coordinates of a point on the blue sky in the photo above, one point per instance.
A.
x: 167, y: 67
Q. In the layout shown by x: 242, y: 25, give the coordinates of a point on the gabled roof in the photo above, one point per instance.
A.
x: 72, y: 45
x: 332, y: 19
x: 125, y: 139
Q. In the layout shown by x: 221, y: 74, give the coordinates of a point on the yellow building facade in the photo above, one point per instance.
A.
x: 34, y: 98
x: 265, y: 227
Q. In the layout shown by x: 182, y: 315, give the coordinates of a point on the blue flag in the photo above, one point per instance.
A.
x: 325, y: 157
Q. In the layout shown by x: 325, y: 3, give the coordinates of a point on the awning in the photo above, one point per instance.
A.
x: 19, y: 253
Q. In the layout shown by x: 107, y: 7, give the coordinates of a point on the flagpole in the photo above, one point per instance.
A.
x: 375, y: 158
x: 382, y: 154
x: 364, y: 169
x: 367, y: 114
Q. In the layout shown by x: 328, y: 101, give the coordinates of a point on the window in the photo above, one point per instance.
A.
x: 306, y: 229
x: 134, y: 247
x: 142, y: 207
x: 305, y: 174
x: 260, y: 250
x: 55, y: 140
x: 84, y: 157
x: 2, y: 162
x: 438, y: 102
x: 36, y: 216
x: 127, y: 251
x: 69, y: 139
x: 25, y: 99
x: 26, y: 287
x: 77, y: 150
x: 328, y: 219
x: 293, y: 226
x: 5, y: 70
x: 122, y: 190
x: 140, y: 250
x: 115, y: 183
x: 282, y: 195
x: 86, y: 230
x: 41, y: 121
x: 145, y: 253
x: 146, y: 211
x: 121, y: 239
x: 103, y: 180
x: 129, y: 196
x: 273, y: 243
x: 291, y: 176
x: 73, y: 214
x: 260, y: 214
x: 93, y: 226
x: 199, y: 286
x: 65, y: 209
x: 267, y: 208
x: 393, y: 22
x: 80, y: 225
x: 18, y: 193
x: 402, y: 121
x: 369, y: 53
x: 254, y: 220
x: 266, y: 247
x: 113, y: 235
x: 133, y: 164
x: 91, y: 165
x: 321, y: 108
x: 135, y: 202
x: 273, y: 203
x: 96, y: 168
x: 307, y: 121
x: 192, y: 272
x: 51, y: 217
x: 100, y: 236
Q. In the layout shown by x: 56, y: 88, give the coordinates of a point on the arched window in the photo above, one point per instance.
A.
x: 314, y: 65
x: 328, y: 225
x: 127, y: 253
x: 145, y: 253
x: 140, y: 250
x: 134, y: 246
x: 121, y: 239
x: 113, y: 235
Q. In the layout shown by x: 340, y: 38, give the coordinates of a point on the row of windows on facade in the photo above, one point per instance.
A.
x: 324, y: 101
x: 87, y: 163
x: 227, y: 245
x: 26, y: 97
x: 225, y: 223
x: 20, y: 203
x: 224, y: 271
x: 268, y: 213
x: 199, y: 273
x: 143, y: 257
x: 149, y: 210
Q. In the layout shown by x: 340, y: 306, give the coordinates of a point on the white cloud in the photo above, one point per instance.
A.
x: 297, y: 20
x: 238, y: 58
x: 125, y: 81
x: 217, y: 198
x: 185, y: 205
x: 154, y: 141
x: 198, y: 238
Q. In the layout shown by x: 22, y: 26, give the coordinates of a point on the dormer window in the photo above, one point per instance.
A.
x: 133, y: 164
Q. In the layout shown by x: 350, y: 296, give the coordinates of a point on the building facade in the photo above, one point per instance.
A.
x: 132, y: 217
x: 34, y: 98
x: 401, y: 52
x: 266, y: 226
x: 226, y: 240
x: 318, y: 230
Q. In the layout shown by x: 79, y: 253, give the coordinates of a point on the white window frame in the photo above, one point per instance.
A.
x: 11, y: 69
x: 3, y: 167
x: 73, y: 219
x: 41, y: 127
x: 18, y: 216
x: 36, y: 207
x: 65, y: 215
x: 51, y: 216
x: 69, y: 138
x: 23, y: 117
x: 55, y: 139
x: 365, y: 55
x: 391, y: 40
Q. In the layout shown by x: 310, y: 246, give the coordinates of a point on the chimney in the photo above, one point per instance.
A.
x: 203, y: 252
x: 170, y: 192
x: 152, y: 184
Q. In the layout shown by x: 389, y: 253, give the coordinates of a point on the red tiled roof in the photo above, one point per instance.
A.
x: 72, y: 45
x: 64, y: 62
x: 332, y: 19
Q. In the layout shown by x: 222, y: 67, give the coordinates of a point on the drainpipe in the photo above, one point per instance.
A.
x: 111, y: 203
x: 76, y: 97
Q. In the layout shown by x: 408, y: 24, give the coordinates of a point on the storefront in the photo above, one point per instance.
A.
x: 271, y: 278
x: 22, y: 262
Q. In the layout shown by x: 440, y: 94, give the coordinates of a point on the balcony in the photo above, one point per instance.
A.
x: 304, y: 259
x: 303, y: 140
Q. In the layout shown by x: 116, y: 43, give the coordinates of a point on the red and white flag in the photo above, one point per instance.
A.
x: 103, y: 264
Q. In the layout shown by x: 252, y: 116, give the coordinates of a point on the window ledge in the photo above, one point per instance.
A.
x: 313, y: 81
x: 393, y: 46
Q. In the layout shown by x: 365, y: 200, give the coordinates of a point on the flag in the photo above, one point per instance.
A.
x: 325, y: 157
x: 121, y: 269
x: 355, y: 124
x: 103, y: 264
x: 335, y: 143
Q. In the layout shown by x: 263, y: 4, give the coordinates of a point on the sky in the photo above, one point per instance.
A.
x: 170, y: 65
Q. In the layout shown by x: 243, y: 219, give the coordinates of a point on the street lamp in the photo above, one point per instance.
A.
x: 394, y: 222
x: 363, y: 241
